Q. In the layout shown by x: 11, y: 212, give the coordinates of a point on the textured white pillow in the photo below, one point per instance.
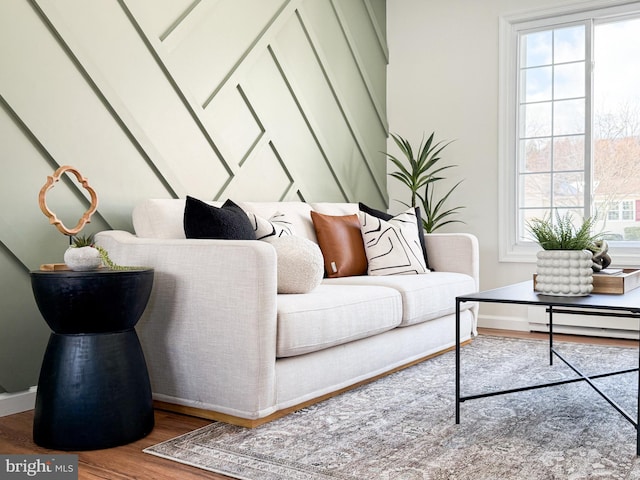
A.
x: 300, y: 263
x: 277, y: 226
x: 392, y: 246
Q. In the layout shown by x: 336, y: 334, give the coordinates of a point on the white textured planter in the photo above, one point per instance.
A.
x: 564, y: 272
x: 81, y: 259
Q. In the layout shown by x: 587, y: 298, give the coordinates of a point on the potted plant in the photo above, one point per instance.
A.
x: 564, y: 266
x: 423, y: 171
x: 83, y: 255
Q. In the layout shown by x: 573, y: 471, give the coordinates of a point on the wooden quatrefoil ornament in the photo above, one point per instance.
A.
x: 53, y: 220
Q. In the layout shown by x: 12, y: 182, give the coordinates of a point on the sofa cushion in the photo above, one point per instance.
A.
x: 228, y: 222
x: 300, y: 263
x: 164, y: 217
x: 334, y: 314
x: 160, y: 218
x: 334, y: 208
x: 392, y: 246
x: 424, y: 297
x: 341, y: 244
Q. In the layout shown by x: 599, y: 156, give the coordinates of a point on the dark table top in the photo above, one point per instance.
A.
x: 523, y: 294
x: 95, y: 301
x: 88, y: 273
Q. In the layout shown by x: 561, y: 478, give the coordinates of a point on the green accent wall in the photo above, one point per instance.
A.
x: 245, y: 99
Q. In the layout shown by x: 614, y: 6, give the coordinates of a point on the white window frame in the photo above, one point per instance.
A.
x: 510, y: 248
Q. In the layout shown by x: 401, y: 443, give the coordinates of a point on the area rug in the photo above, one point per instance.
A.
x: 402, y: 427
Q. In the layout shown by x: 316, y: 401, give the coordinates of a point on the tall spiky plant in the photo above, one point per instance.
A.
x: 422, y: 172
x: 431, y: 208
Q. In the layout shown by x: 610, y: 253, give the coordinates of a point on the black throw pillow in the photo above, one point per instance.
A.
x: 229, y: 222
x: 386, y: 216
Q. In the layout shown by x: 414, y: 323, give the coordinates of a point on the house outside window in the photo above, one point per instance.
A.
x: 570, y: 124
x: 620, y: 211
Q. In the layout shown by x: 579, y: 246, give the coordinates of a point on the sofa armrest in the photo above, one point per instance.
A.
x: 454, y: 252
x: 209, y: 330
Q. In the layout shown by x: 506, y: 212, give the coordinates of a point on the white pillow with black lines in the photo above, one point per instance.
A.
x: 277, y: 226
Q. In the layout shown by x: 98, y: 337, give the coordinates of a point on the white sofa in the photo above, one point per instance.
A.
x: 221, y: 343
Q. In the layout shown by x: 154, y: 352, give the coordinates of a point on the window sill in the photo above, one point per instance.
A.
x: 627, y: 256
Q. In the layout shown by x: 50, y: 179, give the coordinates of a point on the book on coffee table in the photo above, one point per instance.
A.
x: 610, y: 271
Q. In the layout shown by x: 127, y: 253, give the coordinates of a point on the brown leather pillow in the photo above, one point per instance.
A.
x: 341, y: 244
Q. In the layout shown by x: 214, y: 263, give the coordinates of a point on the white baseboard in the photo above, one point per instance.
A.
x: 504, y: 323
x: 11, y: 403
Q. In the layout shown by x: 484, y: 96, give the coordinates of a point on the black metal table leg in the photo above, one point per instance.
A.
x: 457, y: 361
x: 550, y: 310
x: 523, y: 293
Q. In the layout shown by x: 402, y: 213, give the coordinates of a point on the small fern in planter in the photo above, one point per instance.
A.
x: 562, y: 234
x: 565, y: 265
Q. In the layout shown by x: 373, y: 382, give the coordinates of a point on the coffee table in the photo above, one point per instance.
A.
x: 626, y: 305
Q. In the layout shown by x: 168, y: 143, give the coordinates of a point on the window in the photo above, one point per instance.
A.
x: 570, y: 124
x: 620, y: 211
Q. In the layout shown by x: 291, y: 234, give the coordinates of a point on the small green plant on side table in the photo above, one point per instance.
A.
x: 86, y: 245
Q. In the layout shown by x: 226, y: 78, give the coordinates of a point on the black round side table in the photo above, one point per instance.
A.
x: 94, y: 389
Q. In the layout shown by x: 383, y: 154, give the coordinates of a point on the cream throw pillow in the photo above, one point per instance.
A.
x: 300, y: 263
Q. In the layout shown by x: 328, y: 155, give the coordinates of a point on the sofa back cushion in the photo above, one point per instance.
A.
x: 164, y: 218
x: 328, y: 208
x: 297, y: 213
x: 161, y: 218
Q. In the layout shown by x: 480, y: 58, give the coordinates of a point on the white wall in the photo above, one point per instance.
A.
x: 443, y: 77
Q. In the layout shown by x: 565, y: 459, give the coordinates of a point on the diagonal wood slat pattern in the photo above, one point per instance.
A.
x: 244, y: 99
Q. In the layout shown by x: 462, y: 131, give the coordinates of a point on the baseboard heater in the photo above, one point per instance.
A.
x: 590, y: 325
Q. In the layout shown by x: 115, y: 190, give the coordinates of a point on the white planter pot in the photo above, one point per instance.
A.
x: 564, y: 272
x: 82, y: 258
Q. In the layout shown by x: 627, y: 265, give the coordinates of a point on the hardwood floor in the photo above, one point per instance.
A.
x: 120, y: 463
x: 128, y: 461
